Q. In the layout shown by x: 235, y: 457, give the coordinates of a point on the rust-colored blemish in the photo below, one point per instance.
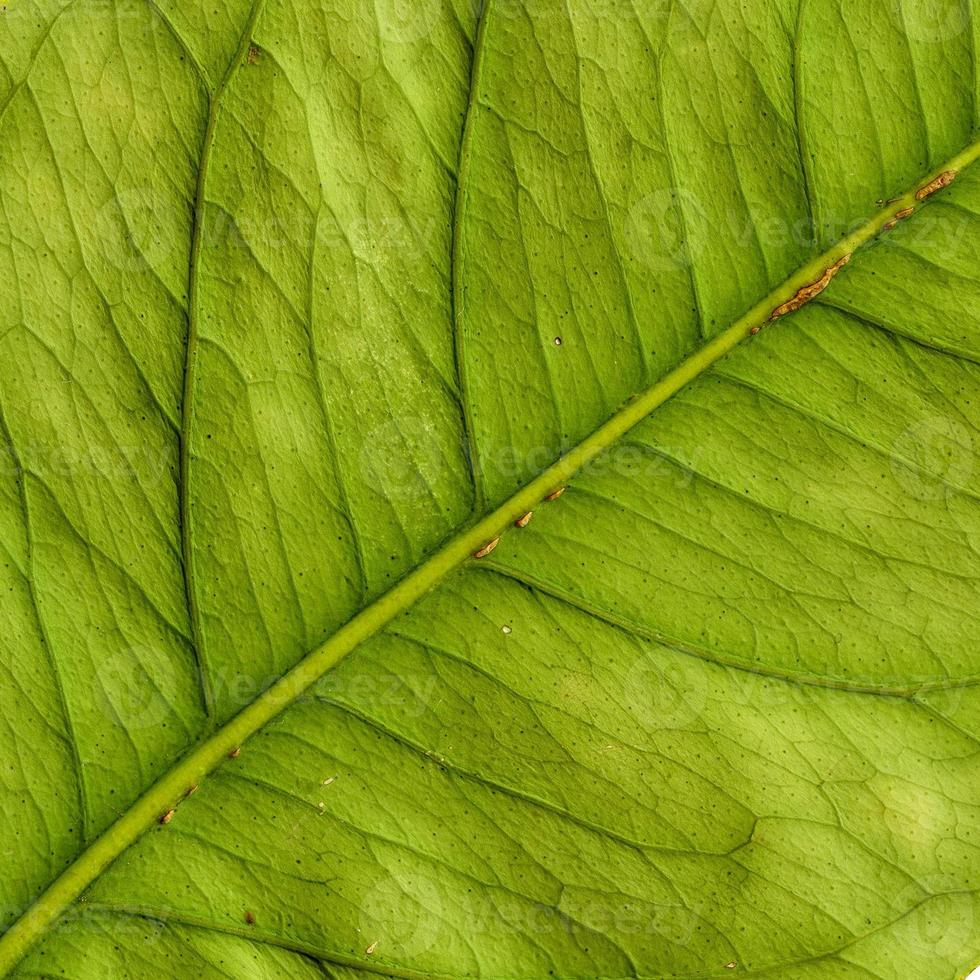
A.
x: 167, y: 817
x: 486, y: 549
x: 808, y: 293
x: 904, y: 213
x: 889, y: 225
x: 191, y: 790
x: 525, y: 520
x: 249, y: 919
x: 235, y: 753
x: 254, y: 53
x: 756, y: 329
x: 943, y: 180
x: 555, y: 494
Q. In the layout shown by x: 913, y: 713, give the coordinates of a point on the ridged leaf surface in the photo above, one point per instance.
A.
x: 302, y: 303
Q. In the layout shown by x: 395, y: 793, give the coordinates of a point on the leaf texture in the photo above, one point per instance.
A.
x: 302, y: 304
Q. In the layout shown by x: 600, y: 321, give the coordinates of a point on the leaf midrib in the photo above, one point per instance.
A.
x: 195, y: 766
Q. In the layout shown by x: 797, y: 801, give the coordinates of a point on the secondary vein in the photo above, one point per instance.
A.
x: 456, y: 258
x: 20, y: 476
x: 190, y: 359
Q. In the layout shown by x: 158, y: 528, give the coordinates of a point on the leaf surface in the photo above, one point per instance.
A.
x: 303, y: 304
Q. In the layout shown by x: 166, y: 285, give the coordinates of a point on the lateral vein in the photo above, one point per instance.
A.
x: 190, y: 358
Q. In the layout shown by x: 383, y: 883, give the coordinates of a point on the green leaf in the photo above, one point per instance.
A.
x: 305, y: 304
